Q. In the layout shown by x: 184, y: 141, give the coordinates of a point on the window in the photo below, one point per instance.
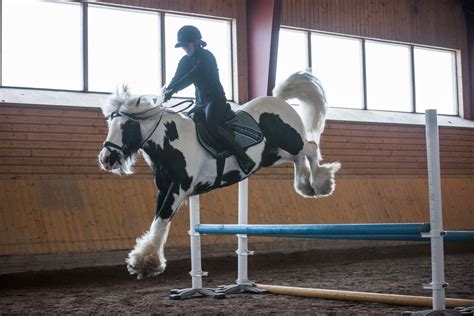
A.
x: 292, y: 53
x: 124, y: 47
x: 435, y: 80
x: 41, y: 44
x: 375, y: 75
x: 337, y: 63
x: 217, y: 35
x: 389, y: 85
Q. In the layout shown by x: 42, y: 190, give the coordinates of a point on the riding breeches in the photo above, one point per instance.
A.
x: 214, y: 114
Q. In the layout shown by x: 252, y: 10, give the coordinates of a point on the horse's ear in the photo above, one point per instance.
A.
x: 116, y: 100
x: 111, y: 104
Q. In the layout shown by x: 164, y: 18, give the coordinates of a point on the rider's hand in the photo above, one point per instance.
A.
x: 167, y: 94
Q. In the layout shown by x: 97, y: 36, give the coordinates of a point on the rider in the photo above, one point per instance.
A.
x: 199, y: 67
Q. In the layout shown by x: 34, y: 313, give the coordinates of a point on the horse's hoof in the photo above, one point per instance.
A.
x: 131, y: 269
x: 160, y: 269
x: 146, y: 272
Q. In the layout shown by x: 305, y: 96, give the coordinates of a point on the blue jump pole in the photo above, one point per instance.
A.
x: 459, y: 236
x: 408, y: 232
x: 405, y: 237
x: 313, y: 230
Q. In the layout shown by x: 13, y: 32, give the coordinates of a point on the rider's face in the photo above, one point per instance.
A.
x: 189, y: 48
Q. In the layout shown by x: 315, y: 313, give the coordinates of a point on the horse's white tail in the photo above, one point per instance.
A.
x: 307, y: 89
x: 312, y: 179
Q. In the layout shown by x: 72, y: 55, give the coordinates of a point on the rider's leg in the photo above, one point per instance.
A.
x: 215, y: 115
x: 227, y: 137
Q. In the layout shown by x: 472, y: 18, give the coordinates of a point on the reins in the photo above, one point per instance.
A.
x: 154, y: 129
x: 145, y: 115
x: 191, y: 102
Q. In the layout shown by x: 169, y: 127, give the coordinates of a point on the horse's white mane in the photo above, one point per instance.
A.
x: 122, y: 100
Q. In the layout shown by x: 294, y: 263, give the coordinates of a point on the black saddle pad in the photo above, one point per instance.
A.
x: 246, y: 131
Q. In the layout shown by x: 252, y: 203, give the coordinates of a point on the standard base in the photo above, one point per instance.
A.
x: 188, y: 293
x: 446, y: 312
x: 240, y: 288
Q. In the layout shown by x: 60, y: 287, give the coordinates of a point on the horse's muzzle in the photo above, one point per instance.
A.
x: 109, y: 159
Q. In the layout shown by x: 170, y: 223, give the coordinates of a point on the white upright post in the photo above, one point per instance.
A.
x: 242, y: 250
x: 242, y: 284
x: 436, y: 215
x: 195, y: 238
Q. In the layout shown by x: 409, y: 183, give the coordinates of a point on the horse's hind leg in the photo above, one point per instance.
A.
x: 302, y: 180
x: 322, y: 176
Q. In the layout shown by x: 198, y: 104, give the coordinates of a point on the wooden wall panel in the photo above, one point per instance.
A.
x: 222, y: 8
x: 37, y: 142
x: 90, y: 215
x: 42, y: 141
x: 437, y: 23
x: 55, y: 199
x: 368, y: 149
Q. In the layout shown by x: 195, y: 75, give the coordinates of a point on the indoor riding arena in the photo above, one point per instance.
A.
x: 340, y: 183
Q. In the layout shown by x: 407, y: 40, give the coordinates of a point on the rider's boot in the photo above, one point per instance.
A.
x: 227, y: 136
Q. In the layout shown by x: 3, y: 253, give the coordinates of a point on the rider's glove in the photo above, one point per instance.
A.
x: 167, y: 94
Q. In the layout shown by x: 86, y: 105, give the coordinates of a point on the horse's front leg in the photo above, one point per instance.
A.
x: 147, y: 258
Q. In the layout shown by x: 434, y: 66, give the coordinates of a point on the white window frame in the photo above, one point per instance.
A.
x: 84, y: 97
x: 363, y: 40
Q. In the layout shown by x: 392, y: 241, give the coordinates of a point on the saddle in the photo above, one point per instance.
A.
x: 246, y: 131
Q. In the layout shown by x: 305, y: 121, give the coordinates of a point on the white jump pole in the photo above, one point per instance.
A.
x: 242, y: 250
x: 436, y: 234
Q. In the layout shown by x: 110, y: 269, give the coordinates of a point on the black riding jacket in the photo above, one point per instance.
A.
x: 201, y: 70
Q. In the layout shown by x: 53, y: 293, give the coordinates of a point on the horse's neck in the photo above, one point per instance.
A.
x: 171, y: 129
x: 170, y: 120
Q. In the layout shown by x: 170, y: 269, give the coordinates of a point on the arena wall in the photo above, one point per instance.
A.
x: 56, y: 201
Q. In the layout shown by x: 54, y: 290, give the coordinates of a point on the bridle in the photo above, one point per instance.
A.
x: 145, y: 115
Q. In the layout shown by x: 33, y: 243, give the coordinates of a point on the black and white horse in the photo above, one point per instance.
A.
x: 182, y: 167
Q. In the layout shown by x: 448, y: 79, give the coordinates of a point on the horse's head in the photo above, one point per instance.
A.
x: 124, y: 114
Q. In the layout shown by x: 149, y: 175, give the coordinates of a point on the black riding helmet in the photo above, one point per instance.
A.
x: 187, y: 34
